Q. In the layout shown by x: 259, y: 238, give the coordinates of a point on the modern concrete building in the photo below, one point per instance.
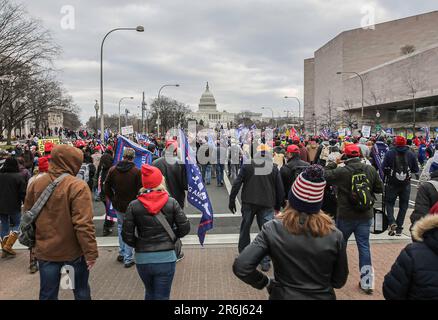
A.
x: 397, y: 62
x: 208, y: 113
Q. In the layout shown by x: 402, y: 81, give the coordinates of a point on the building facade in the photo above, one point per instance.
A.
x: 208, y: 115
x: 397, y: 63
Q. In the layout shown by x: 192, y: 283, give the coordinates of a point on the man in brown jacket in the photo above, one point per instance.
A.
x: 65, y: 233
x: 122, y: 186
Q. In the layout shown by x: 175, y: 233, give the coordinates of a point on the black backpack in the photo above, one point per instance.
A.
x: 361, y: 198
x: 401, y: 173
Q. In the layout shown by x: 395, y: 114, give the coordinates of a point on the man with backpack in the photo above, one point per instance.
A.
x: 356, y: 185
x: 398, y: 165
x: 292, y: 169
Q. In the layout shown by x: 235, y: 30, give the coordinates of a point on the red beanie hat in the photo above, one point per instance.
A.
x: 151, y: 177
x: 400, y: 141
x: 43, y: 164
x: 352, y: 150
x: 48, y: 146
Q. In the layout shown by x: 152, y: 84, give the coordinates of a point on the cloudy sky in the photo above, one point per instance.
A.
x: 250, y: 51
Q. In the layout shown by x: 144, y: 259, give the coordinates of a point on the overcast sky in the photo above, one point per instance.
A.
x: 250, y: 51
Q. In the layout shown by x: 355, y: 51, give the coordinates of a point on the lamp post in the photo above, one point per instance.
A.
x: 159, y: 103
x: 102, y: 124
x: 273, y: 122
x: 120, y: 102
x: 361, y: 82
x: 96, y: 107
x: 299, y: 109
x: 143, y: 109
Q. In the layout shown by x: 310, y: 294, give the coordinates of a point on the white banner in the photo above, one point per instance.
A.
x: 127, y: 130
x: 366, y: 131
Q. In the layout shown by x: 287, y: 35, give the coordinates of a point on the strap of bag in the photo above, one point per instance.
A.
x: 162, y: 219
x: 42, y: 200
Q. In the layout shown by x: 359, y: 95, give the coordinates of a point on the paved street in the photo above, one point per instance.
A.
x: 109, y: 280
x: 203, y: 274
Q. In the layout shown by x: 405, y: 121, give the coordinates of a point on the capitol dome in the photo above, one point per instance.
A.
x: 207, y: 102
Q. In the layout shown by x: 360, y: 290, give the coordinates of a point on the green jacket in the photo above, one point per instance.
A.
x: 341, y: 178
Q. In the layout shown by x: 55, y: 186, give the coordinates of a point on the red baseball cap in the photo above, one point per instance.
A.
x: 173, y: 143
x: 293, y: 149
x: 352, y: 150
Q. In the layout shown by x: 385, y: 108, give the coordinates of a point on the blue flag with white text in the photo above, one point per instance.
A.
x: 142, y: 155
x: 197, y: 194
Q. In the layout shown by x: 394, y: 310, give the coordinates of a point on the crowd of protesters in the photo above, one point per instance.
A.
x: 315, y: 194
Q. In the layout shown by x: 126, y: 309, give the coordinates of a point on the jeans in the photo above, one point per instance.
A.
x: 220, y: 173
x: 206, y: 173
x: 403, y: 192
x: 157, y: 279
x: 50, y: 278
x: 262, y: 214
x: 361, y: 230
x: 234, y: 171
x: 124, y: 250
x: 7, y: 221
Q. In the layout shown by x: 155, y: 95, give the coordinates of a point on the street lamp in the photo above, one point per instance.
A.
x: 299, y: 110
x: 120, y: 101
x: 96, y: 107
x: 159, y: 103
x: 102, y: 124
x: 361, y: 81
x: 273, y: 122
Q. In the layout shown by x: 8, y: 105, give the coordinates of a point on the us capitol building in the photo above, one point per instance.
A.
x: 208, y: 113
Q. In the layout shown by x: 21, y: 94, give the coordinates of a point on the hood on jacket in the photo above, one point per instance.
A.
x: 426, y: 230
x: 153, y: 201
x: 124, y: 166
x: 403, y: 149
x: 65, y: 159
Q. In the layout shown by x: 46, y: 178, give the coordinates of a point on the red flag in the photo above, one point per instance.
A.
x: 292, y: 133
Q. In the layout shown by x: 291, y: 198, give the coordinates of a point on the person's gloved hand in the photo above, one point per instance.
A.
x: 232, y: 206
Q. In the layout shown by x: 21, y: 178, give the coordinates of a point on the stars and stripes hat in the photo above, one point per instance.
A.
x: 307, y: 192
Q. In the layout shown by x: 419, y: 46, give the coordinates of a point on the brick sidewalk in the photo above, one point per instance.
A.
x: 203, y: 274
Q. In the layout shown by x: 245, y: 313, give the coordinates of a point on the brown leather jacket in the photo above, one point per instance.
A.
x: 64, y: 230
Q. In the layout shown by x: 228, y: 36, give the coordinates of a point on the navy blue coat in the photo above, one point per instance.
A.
x: 414, y: 276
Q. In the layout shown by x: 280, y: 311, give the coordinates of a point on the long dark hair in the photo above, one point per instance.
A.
x: 10, y: 165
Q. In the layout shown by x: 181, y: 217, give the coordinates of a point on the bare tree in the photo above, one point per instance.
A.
x: 329, y: 118
x: 414, y: 83
x: 347, y: 116
x: 172, y: 113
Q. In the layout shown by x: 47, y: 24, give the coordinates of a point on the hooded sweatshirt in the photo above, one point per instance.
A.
x: 153, y: 201
x: 122, y: 184
x: 64, y: 230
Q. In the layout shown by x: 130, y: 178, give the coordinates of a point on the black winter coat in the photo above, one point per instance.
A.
x: 341, y: 178
x: 12, y: 192
x: 305, y: 267
x: 287, y: 172
x: 427, y: 196
x: 144, y: 232
x: 176, y: 178
x: 260, y: 189
x: 414, y: 276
